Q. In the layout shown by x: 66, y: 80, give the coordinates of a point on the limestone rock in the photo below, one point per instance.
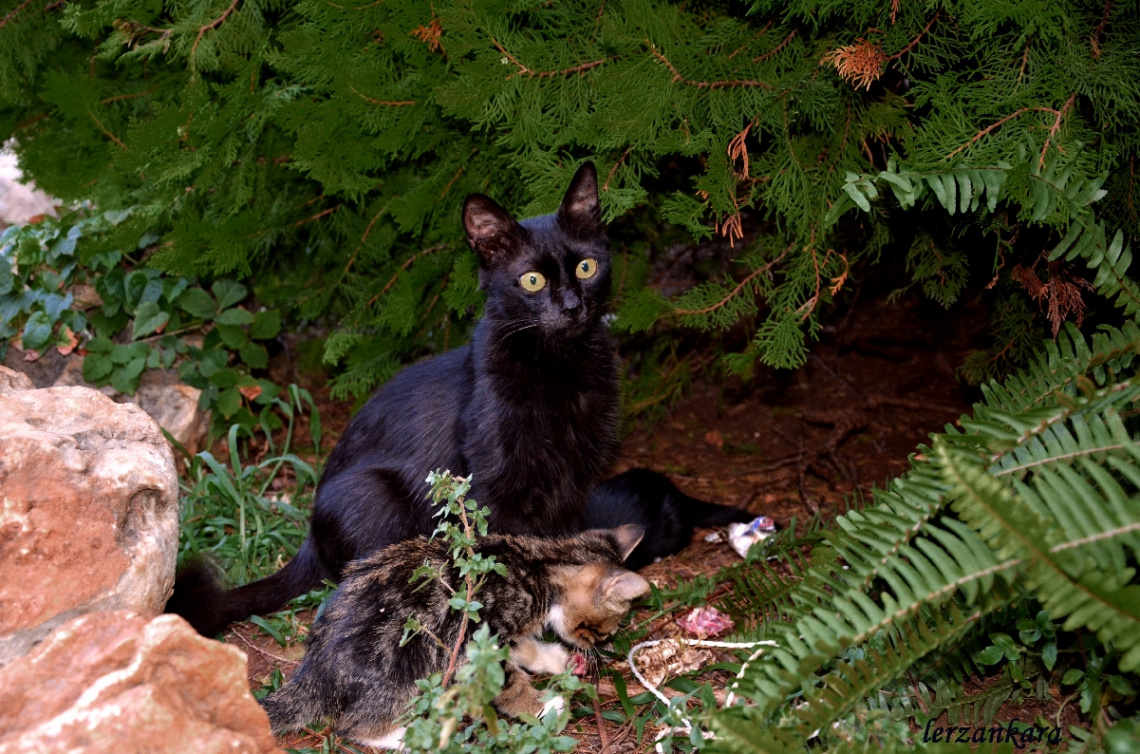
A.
x: 11, y: 381
x: 118, y: 682
x: 88, y: 512
x: 160, y: 393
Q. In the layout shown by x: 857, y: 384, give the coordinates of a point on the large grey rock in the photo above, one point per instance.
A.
x: 88, y: 511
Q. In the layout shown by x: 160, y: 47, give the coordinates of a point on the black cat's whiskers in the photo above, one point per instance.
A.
x: 525, y: 324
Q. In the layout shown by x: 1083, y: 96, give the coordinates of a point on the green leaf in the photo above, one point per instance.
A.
x: 266, y: 325
x: 232, y: 335
x: 97, y: 367
x: 1073, y: 675
x: 125, y: 378
x: 197, y: 303
x: 228, y: 293
x: 37, y: 331
x: 268, y: 628
x: 149, y: 318
x: 990, y: 655
x: 235, y: 316
x: 229, y: 402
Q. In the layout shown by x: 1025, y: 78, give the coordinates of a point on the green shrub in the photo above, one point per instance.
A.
x: 321, y: 150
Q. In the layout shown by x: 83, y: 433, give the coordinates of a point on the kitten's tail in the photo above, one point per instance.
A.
x: 200, y: 598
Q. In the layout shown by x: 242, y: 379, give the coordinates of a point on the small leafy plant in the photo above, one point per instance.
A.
x: 126, y: 317
x: 453, y: 712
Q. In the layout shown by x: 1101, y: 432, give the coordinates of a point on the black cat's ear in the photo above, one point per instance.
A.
x: 625, y: 538
x: 492, y: 232
x: 580, y: 213
x: 623, y: 586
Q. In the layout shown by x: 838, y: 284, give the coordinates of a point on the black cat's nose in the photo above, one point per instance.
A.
x: 571, y: 304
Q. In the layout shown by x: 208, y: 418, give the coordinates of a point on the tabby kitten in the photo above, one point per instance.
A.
x: 356, y: 676
x: 528, y: 409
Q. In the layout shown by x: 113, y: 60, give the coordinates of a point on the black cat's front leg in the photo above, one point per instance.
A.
x: 520, y: 697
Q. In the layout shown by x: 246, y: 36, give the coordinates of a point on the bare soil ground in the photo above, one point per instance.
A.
x: 784, y: 445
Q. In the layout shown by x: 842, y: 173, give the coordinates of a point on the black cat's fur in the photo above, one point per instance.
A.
x: 356, y: 675
x: 650, y: 500
x: 528, y: 409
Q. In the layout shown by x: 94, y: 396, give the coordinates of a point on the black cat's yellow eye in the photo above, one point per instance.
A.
x: 586, y: 269
x: 533, y: 281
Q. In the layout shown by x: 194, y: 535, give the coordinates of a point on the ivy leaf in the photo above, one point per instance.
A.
x: 225, y: 377
x: 97, y: 367
x: 197, y: 303
x: 254, y: 355
x: 125, y: 378
x: 229, y: 402
x: 229, y: 292
x: 149, y: 318
x: 233, y: 336
x: 265, y: 325
x: 235, y: 317
x: 37, y: 331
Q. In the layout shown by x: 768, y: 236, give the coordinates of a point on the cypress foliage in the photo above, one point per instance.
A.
x: 322, y: 148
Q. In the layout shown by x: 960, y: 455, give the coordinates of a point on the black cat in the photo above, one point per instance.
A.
x: 668, y: 516
x: 529, y: 409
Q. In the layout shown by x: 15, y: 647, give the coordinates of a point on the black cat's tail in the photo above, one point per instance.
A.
x: 707, y: 514
x: 209, y: 607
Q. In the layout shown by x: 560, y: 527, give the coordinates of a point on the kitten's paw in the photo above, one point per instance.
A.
x: 555, y: 705
x: 393, y: 740
x: 541, y: 657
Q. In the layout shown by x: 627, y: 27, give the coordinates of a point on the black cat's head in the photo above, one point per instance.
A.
x: 549, y: 274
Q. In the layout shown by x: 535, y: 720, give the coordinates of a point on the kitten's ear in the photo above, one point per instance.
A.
x: 580, y: 213
x: 623, y: 586
x: 625, y: 538
x: 492, y: 232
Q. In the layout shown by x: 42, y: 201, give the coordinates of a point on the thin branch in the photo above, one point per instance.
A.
x: 260, y: 651
x: 407, y: 263
x: 212, y: 25
x: 736, y: 291
x: 914, y: 42
x: 1095, y: 41
x: 609, y: 177
x: 12, y: 15
x: 705, y: 84
x: 120, y: 97
x: 990, y: 128
x: 1054, y: 128
x: 104, y: 129
x: 754, y: 37
x: 776, y: 50
x: 386, y: 103
x: 525, y: 71
x: 317, y: 216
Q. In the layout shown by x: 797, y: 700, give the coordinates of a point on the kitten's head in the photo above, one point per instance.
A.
x: 594, y: 595
x: 549, y: 275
